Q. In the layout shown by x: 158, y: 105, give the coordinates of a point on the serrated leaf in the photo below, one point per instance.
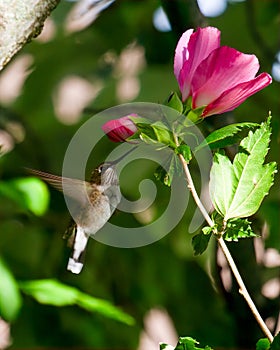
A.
x: 275, y: 345
x: 188, y: 343
x: 207, y: 230
x: 222, y: 182
x: 238, y: 189
x: 238, y: 228
x: 254, y: 178
x: 263, y: 344
x: 10, y: 298
x: 53, y: 292
x: 200, y: 243
x: 29, y: 193
x: 226, y: 136
x: 185, y: 151
x: 184, y: 343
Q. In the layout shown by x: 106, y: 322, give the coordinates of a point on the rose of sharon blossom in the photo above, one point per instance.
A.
x: 118, y: 130
x: 218, y: 78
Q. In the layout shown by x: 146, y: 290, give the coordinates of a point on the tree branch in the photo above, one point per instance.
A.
x: 20, y: 21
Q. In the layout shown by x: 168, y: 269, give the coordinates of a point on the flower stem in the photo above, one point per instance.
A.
x: 242, y: 288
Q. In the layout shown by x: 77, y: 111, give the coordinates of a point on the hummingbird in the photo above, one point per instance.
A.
x: 96, y: 201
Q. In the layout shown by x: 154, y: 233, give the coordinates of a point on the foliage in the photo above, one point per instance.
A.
x: 226, y: 136
x: 188, y: 343
x: 54, y: 293
x: 10, y: 298
x: 164, y: 274
x: 275, y: 345
x: 184, y: 343
x: 29, y: 193
x: 237, y: 189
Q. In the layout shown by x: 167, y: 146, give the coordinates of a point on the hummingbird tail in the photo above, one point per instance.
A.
x: 75, y: 262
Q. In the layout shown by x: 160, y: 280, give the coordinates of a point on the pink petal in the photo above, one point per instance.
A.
x: 181, y: 52
x: 199, y: 46
x: 223, y: 69
x: 118, y: 130
x: 232, y: 98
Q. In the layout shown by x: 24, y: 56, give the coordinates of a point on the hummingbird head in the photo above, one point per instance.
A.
x: 105, y: 174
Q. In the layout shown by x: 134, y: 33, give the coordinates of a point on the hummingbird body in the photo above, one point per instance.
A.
x: 96, y: 201
x: 103, y: 197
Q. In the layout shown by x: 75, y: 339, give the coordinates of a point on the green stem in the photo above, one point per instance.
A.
x: 242, y: 288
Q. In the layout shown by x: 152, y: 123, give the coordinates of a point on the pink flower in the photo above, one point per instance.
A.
x: 118, y: 130
x: 218, y: 78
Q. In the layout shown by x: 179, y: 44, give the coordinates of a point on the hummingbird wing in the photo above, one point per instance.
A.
x: 73, y: 188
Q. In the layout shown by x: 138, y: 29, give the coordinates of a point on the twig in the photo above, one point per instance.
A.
x: 242, y: 288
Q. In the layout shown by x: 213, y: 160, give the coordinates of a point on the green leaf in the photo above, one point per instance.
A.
x: 275, y: 345
x: 104, y: 307
x: 207, y: 230
x: 238, y: 228
x: 145, y: 132
x: 156, y: 132
x: 188, y: 343
x: 222, y: 182
x: 53, y: 292
x: 50, y: 292
x: 162, y: 175
x: 263, y: 344
x: 166, y: 176
x: 238, y: 189
x: 163, y: 134
x: 29, y: 193
x: 10, y: 298
x: 185, y: 151
x: 254, y: 178
x: 194, y: 115
x: 175, y: 102
x: 163, y: 346
x: 140, y: 120
x: 226, y: 136
x: 200, y: 242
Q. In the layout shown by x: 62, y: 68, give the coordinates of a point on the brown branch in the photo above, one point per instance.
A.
x: 20, y: 21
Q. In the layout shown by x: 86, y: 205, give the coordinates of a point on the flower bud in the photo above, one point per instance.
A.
x: 118, y: 130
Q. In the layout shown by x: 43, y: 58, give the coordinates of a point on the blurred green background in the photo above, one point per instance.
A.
x: 122, y: 57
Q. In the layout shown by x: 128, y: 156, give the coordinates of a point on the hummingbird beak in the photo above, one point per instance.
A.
x: 123, y: 156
